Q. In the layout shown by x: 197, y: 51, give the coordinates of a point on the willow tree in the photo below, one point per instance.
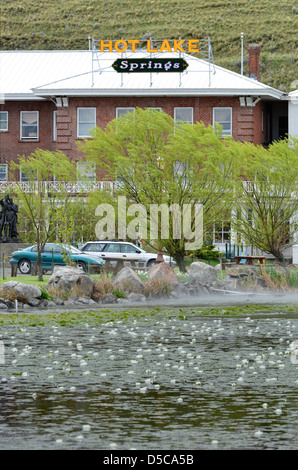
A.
x: 159, y: 166
x: 44, y: 196
x: 266, y: 199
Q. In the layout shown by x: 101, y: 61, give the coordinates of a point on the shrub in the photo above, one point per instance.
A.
x: 45, y: 294
x: 208, y: 252
x: 119, y: 294
x: 102, y: 286
x: 281, y: 279
x: 156, y: 287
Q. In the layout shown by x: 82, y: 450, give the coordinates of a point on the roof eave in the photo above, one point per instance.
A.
x: 264, y: 93
x: 22, y: 97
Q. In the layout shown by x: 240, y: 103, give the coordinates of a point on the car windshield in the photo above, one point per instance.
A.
x: 58, y: 248
x: 72, y: 249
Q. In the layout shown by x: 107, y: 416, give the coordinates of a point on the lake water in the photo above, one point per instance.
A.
x: 170, y: 381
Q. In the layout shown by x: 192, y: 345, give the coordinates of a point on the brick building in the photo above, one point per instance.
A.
x: 51, y: 99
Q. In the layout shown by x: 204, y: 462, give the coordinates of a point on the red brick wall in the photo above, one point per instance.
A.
x: 11, y: 146
x: 246, y: 121
x: 254, y: 60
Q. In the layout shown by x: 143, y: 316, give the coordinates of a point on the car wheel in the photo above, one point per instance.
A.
x: 151, y: 262
x: 81, y: 265
x: 24, y: 266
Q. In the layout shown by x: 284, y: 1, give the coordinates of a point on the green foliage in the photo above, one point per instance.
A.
x: 278, y: 278
x: 45, y: 210
x: 119, y: 294
x: 208, y: 252
x: 46, y: 295
x: 160, y: 163
x: 67, y: 25
x: 265, y: 209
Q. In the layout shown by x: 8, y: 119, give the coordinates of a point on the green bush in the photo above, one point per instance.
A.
x: 208, y: 252
x: 119, y: 294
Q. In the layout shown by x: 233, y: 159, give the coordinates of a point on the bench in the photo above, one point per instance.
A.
x: 249, y: 259
x: 120, y: 263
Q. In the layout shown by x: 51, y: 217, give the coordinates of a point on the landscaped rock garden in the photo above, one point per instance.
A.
x: 71, y: 287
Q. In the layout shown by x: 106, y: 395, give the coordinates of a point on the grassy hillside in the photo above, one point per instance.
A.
x: 48, y: 24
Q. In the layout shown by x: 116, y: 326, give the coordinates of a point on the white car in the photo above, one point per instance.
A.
x: 125, y: 250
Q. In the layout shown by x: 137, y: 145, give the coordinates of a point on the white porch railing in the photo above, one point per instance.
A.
x: 76, y: 187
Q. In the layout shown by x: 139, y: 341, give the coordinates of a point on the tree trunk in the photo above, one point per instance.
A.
x: 39, y: 265
x: 278, y: 255
x: 181, y: 264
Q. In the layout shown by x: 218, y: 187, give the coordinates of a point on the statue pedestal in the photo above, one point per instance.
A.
x: 6, y: 251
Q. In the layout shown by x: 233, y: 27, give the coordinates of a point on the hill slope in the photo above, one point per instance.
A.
x: 48, y: 24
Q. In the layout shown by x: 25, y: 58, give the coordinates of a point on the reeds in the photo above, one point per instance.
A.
x: 280, y: 279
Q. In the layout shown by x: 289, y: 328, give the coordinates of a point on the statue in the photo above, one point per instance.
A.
x: 8, y: 220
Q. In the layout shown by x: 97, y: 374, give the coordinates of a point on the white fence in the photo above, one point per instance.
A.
x: 58, y: 186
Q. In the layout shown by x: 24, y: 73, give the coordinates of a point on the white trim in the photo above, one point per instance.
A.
x: 183, y: 107
x: 5, y: 130
x: 55, y: 126
x: 215, y: 108
x: 84, y: 136
x: 86, y: 92
x: 86, y: 171
x: 6, y: 172
x: 130, y: 109
x: 29, y: 138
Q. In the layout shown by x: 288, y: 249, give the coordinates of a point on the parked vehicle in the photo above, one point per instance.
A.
x: 53, y: 254
x: 126, y: 250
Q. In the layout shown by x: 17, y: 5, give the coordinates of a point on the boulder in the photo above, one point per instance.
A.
x: 25, y: 293
x: 67, y: 279
x: 108, y: 298
x: 133, y: 297
x: 128, y: 280
x: 164, y: 271
x: 202, y: 272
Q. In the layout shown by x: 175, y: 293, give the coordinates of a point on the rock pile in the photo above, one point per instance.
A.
x: 72, y: 287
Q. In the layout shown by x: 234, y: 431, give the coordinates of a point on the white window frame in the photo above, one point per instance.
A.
x: 86, y: 171
x: 25, y: 179
x: 55, y: 126
x: 4, y: 120
x: 35, y: 137
x: 224, y: 132
x: 4, y: 165
x: 129, y: 110
x: 93, y: 123
x: 180, y: 120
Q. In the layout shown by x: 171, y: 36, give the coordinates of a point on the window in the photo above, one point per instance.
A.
x: 3, y: 120
x: 95, y: 247
x: 3, y: 171
x: 27, y: 175
x: 122, y: 111
x: 129, y: 249
x: 183, y: 115
x: 113, y: 248
x: 29, y: 125
x: 86, y: 121
x: 55, y: 126
x: 86, y: 171
x: 223, y: 116
x: 220, y: 232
